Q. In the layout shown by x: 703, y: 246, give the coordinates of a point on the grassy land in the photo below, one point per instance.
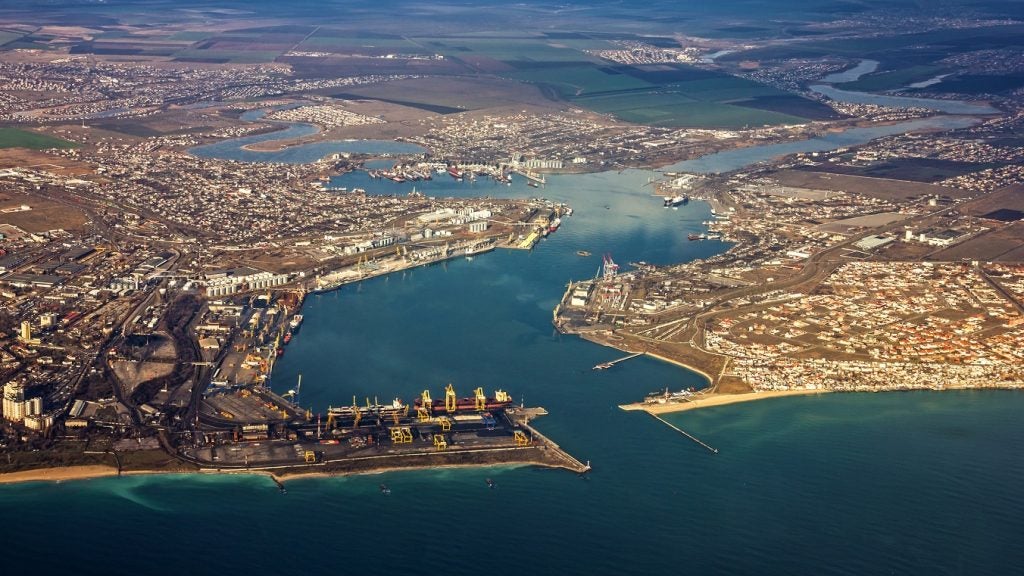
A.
x: 577, y: 80
x: 14, y: 138
x: 706, y: 115
x: 7, y: 36
x: 512, y: 49
x: 708, y: 102
x: 237, y: 56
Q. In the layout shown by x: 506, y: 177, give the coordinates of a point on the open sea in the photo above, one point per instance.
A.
x: 895, y: 483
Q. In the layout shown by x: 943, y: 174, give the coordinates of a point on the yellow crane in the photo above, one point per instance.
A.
x: 401, y: 435
x: 451, y: 403
x: 481, y: 399
x: 445, y: 422
x: 521, y: 439
x: 423, y: 412
x: 357, y: 414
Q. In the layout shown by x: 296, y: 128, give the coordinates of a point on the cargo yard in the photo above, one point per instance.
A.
x: 253, y: 429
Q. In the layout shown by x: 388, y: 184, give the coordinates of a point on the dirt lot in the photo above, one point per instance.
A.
x: 1005, y: 244
x: 38, y: 160
x: 45, y: 215
x: 1008, y: 198
x: 871, y: 187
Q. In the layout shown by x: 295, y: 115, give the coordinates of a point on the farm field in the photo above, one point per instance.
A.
x: 15, y: 138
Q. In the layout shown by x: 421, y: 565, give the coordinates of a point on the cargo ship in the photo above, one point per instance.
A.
x: 349, y: 412
x: 675, y: 201
x: 501, y: 400
x: 693, y: 237
x: 296, y: 322
x: 454, y: 172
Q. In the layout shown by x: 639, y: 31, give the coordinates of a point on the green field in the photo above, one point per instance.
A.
x: 7, y: 36
x: 509, y: 50
x: 321, y: 42
x: 705, y: 115
x: 237, y: 56
x: 711, y: 102
x: 14, y: 138
x: 572, y: 81
x: 723, y: 89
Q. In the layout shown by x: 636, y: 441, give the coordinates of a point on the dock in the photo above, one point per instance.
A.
x: 684, y: 433
x: 607, y: 365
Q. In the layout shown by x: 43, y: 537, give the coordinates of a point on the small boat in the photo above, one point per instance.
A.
x: 490, y: 483
x: 384, y: 489
x: 693, y: 236
x: 582, y: 253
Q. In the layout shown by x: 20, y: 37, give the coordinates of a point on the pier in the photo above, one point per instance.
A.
x: 607, y: 365
x: 684, y: 433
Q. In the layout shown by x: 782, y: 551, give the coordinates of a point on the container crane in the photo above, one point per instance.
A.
x: 423, y: 412
x: 451, y: 402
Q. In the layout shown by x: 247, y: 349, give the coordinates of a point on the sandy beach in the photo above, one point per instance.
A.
x: 682, y: 365
x: 708, y: 400
x: 58, y: 474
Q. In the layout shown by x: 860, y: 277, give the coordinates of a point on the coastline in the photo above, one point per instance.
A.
x: 715, y: 399
x: 548, y: 456
x: 682, y: 365
x: 59, y: 474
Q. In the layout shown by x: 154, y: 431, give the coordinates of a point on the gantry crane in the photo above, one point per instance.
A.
x: 481, y: 399
x: 451, y: 403
x: 423, y: 412
x: 521, y: 438
x: 445, y: 422
x: 440, y: 443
